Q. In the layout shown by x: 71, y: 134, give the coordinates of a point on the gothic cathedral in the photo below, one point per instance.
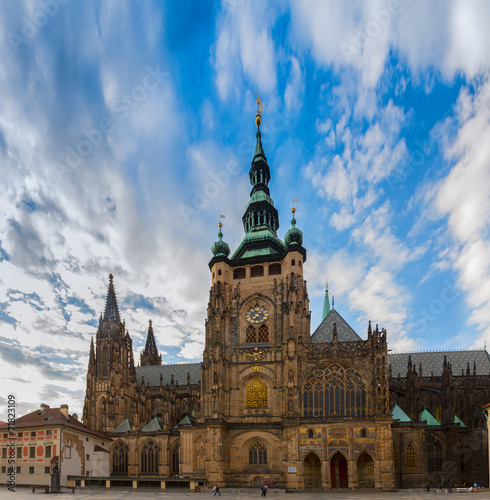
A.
x: 272, y: 403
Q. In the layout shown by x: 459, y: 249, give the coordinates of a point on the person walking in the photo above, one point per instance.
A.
x: 216, y: 490
x: 263, y: 491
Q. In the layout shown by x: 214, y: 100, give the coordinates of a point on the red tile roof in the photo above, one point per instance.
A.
x: 51, y: 417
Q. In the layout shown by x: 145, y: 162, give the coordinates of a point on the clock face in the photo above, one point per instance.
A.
x: 257, y: 315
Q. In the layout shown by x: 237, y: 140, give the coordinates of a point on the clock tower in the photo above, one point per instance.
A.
x: 257, y: 320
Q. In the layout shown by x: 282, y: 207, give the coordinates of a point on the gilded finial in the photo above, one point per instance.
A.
x: 260, y: 110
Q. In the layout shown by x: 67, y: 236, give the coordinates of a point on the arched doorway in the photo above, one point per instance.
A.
x: 313, y: 471
x: 365, y: 471
x: 338, y: 471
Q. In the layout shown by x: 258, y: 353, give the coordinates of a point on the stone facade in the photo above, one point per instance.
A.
x: 270, y: 402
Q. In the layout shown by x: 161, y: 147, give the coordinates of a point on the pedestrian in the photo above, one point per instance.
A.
x: 265, y: 490
x: 216, y: 490
x: 263, y: 493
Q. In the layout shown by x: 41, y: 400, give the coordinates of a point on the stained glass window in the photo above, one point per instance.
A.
x: 334, y: 390
x: 149, y: 458
x: 257, y: 454
x: 250, y: 334
x: 410, y: 457
x: 434, y: 454
x: 256, y: 393
x: 120, y: 458
x: 263, y: 333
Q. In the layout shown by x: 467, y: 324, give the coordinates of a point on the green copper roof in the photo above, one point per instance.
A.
x: 426, y: 417
x: 220, y: 248
x: 124, y: 426
x: 399, y: 415
x: 154, y: 425
x: 326, y: 304
x: 457, y: 420
x: 185, y: 422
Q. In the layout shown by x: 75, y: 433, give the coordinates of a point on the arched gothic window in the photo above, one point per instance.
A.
x: 175, y: 460
x: 256, y: 393
x: 410, y: 457
x: 120, y: 458
x: 250, y: 334
x: 434, y: 454
x: 149, y: 458
x: 263, y: 333
x: 396, y: 458
x: 334, y: 390
x: 257, y: 454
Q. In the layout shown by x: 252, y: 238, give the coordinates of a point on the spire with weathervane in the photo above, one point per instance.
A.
x: 150, y: 356
x: 261, y: 219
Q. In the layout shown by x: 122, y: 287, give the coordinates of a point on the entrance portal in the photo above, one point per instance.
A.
x: 313, y: 471
x: 365, y: 471
x: 338, y: 471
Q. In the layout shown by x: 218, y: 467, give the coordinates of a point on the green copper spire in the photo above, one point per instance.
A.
x: 220, y: 248
x: 261, y: 219
x: 326, y: 304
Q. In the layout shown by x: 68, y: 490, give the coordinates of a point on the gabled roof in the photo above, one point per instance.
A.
x: 185, y: 422
x: 50, y: 417
x: 154, y: 425
x: 457, y: 420
x: 432, y: 362
x: 324, y: 333
x: 152, y: 374
x: 124, y: 426
x: 426, y: 417
x: 399, y: 415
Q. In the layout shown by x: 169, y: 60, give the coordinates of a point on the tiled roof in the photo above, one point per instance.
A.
x: 50, y: 417
x: 432, y: 362
x: 324, y: 333
x: 152, y: 373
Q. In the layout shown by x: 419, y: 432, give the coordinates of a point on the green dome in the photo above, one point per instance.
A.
x: 294, y: 236
x: 220, y: 248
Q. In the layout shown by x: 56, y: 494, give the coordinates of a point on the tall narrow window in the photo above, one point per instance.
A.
x: 149, y: 458
x: 263, y: 333
x: 434, y: 454
x: 120, y: 458
x: 175, y: 460
x: 250, y: 334
x: 410, y: 457
x: 256, y: 393
x: 396, y: 458
x: 257, y: 454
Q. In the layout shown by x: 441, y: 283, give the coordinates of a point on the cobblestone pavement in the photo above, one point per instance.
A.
x: 25, y: 493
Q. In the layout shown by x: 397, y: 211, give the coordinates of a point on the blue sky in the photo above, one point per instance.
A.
x: 127, y: 128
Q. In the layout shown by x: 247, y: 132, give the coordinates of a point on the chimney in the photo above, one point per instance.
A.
x: 64, y: 410
x: 75, y: 416
x: 43, y: 407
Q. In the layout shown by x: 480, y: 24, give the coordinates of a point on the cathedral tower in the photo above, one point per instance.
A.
x: 111, y: 376
x: 258, y: 316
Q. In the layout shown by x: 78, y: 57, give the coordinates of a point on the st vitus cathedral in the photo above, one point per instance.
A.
x: 272, y: 403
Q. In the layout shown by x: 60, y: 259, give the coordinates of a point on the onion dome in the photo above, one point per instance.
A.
x: 220, y: 248
x: 294, y: 236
